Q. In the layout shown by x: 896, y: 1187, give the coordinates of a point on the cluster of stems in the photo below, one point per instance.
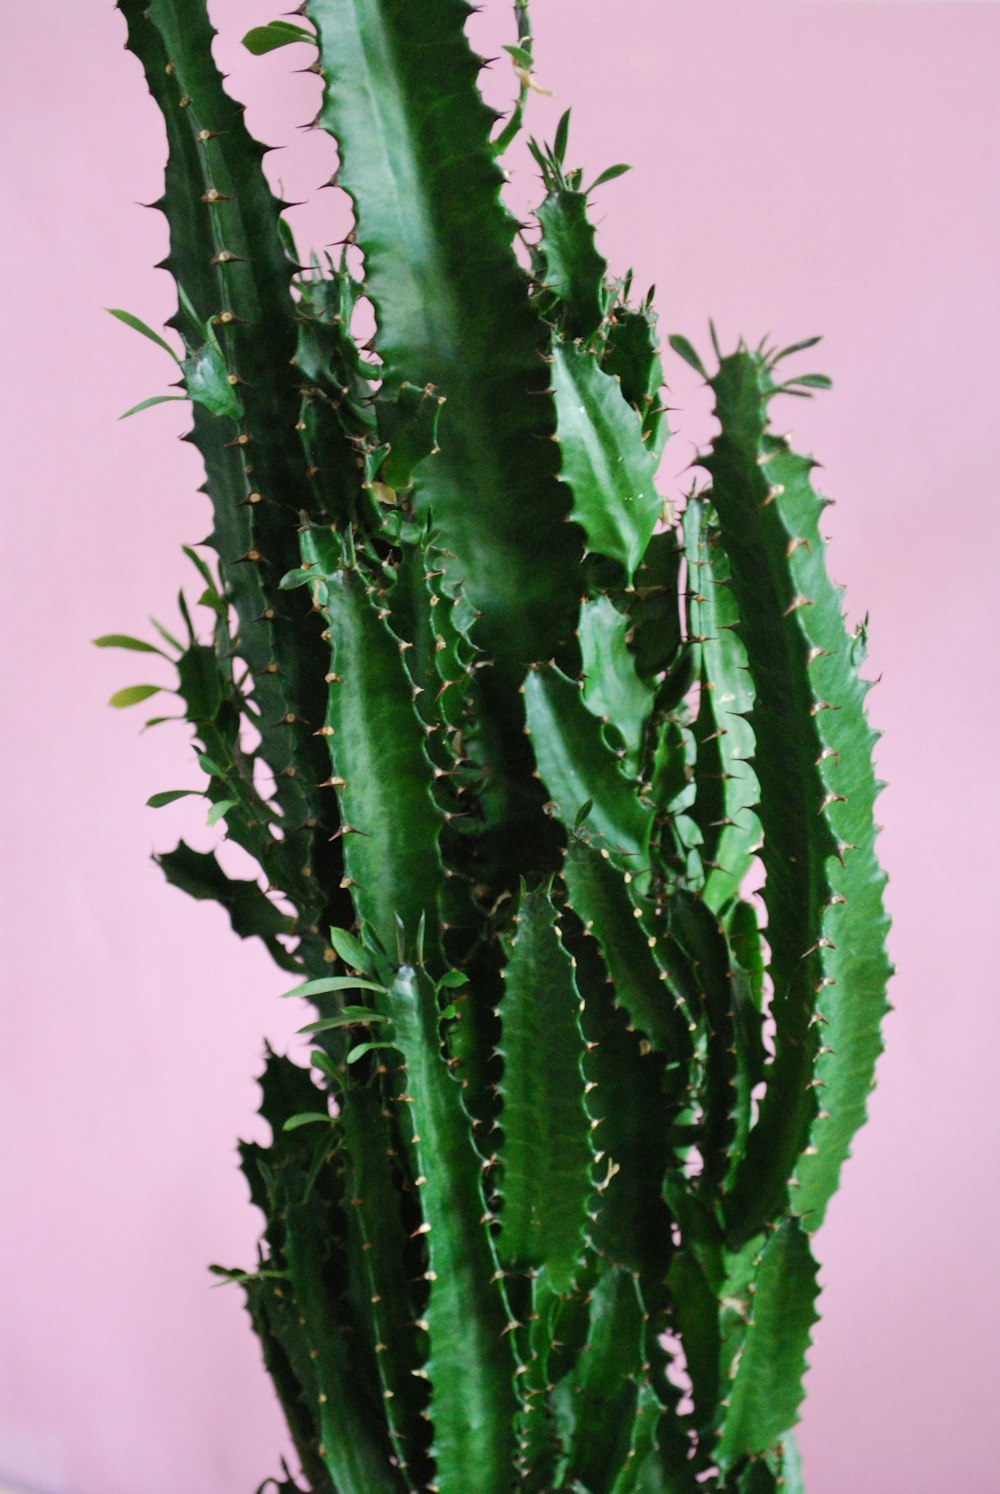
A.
x: 505, y: 740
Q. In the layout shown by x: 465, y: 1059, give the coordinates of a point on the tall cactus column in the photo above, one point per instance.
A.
x: 542, y: 1183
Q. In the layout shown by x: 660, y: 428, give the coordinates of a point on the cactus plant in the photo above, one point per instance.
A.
x: 538, y: 1209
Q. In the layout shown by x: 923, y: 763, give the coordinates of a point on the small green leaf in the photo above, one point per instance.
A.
x: 351, y: 951
x: 168, y: 637
x: 138, y: 326
x: 450, y: 1012
x: 306, y: 1118
x: 351, y: 1016
x: 582, y: 813
x: 811, y: 381
x: 795, y: 347
x: 327, y: 983
x: 360, y: 1049
x: 155, y: 399
x: 208, y: 765
x: 607, y: 176
x: 452, y: 980
x: 202, y: 568
x: 298, y: 577
x: 684, y: 350
x: 540, y: 160
x: 562, y: 136
x: 522, y: 57
x: 188, y: 308
x: 210, y: 598
x: 132, y: 694
x: 232, y: 1278
x: 261, y: 39
x: 218, y: 810
x: 324, y: 1063
x: 157, y: 801
x: 182, y: 607
x: 122, y: 640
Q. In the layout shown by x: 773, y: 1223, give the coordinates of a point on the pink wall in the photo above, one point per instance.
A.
x: 799, y: 167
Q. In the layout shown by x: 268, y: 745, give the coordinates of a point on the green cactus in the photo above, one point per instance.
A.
x: 538, y: 1209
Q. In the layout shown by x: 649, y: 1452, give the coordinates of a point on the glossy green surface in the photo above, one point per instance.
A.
x: 545, y: 1169
x: 503, y: 739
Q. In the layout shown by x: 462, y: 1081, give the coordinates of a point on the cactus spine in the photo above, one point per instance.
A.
x: 568, y: 1124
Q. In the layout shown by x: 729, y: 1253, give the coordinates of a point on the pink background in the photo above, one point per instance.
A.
x: 799, y: 167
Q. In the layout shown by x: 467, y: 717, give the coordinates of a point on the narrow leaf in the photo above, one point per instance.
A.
x: 683, y: 349
x: 607, y: 176
x: 139, y: 326
x: 351, y: 951
x: 351, y: 1016
x: 202, y: 568
x: 155, y: 399
x: 133, y: 694
x: 261, y: 39
x: 306, y: 1118
x: 325, y: 1064
x: 562, y: 136
x: 157, y: 801
x: 522, y: 56
x: 811, y: 381
x: 122, y: 640
x: 360, y: 1049
x: 166, y: 636
x: 329, y: 983
x: 211, y: 598
x: 292, y: 579
x: 795, y: 347
x: 218, y: 810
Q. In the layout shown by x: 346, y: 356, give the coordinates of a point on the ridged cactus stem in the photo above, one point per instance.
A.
x: 570, y: 1115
